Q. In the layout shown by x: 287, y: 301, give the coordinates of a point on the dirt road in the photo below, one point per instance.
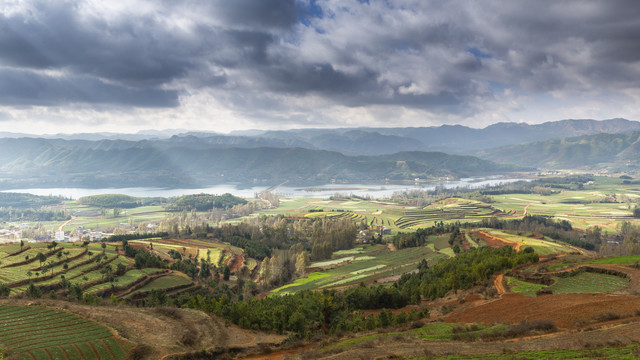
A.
x: 499, y: 285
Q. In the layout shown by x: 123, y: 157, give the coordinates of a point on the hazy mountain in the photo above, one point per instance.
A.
x: 455, y: 139
x: 363, y: 142
x: 601, y: 150
x: 29, y: 162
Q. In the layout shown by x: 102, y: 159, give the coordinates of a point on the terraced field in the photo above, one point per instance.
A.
x: 546, y: 246
x: 168, y: 283
x: 588, y: 282
x: 84, y: 267
x: 374, y: 263
x: 42, y: 333
x: 130, y: 278
x: 217, y: 253
x: 447, y: 210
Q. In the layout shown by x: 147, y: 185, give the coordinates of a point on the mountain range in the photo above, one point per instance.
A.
x: 313, y: 156
x: 183, y: 162
x: 620, y: 152
x: 451, y: 139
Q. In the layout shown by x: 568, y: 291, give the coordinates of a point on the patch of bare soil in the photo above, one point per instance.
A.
x: 496, y: 242
x: 407, y: 346
x: 565, y: 310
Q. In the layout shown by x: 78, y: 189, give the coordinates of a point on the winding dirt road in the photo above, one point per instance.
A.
x: 499, y: 284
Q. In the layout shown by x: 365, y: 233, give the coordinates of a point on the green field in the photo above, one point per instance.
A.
x: 81, y: 266
x: 126, y: 280
x: 447, y: 210
x: 376, y: 264
x: 523, y: 287
x: 588, y: 282
x: 162, y: 283
x: 41, y: 333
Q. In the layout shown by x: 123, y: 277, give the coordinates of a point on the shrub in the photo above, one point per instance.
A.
x: 4, y: 290
x: 607, y: 316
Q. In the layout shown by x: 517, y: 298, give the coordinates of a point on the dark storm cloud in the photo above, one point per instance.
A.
x: 135, y: 51
x: 257, y: 13
x: 27, y: 88
x: 441, y: 56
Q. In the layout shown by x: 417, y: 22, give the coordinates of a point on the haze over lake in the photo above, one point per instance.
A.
x: 376, y: 191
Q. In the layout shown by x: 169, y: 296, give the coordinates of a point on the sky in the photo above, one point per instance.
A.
x: 219, y: 65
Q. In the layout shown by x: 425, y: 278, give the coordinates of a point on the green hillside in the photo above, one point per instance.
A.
x: 31, y: 162
x: 593, y: 150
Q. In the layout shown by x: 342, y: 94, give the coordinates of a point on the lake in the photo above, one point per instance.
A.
x: 376, y: 191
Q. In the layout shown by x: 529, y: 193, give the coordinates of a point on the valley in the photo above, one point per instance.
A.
x: 183, y: 267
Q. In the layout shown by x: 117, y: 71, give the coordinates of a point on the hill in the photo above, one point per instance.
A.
x: 30, y: 162
x: 601, y: 150
x: 454, y: 139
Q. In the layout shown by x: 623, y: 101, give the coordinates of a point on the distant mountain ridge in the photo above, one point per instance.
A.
x: 452, y: 139
x: 194, y: 162
x: 458, y: 139
x: 614, y: 151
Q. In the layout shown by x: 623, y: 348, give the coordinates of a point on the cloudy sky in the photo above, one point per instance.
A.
x: 221, y: 65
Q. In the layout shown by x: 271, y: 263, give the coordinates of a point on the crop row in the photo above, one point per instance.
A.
x: 41, y: 333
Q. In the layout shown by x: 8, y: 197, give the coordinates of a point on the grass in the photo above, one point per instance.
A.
x: 299, y: 282
x: 432, y: 332
x: 162, y: 283
x: 129, y: 278
x: 588, y: 282
x: 523, y: 287
x: 32, y: 332
x: 377, y: 264
x: 616, y: 260
x: 628, y: 352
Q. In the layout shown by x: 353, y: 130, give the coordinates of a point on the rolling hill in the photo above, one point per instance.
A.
x: 601, y: 150
x: 29, y: 162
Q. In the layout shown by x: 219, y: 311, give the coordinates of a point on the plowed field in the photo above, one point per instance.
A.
x: 564, y: 309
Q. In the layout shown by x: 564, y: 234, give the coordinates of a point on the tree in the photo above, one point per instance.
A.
x: 4, y: 290
x: 34, y: 292
x: 226, y: 273
x: 456, y: 249
x: 104, y: 247
x: 636, y: 212
x: 41, y: 257
x: 21, y: 244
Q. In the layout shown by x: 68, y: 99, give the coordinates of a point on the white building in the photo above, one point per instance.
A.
x: 59, y: 235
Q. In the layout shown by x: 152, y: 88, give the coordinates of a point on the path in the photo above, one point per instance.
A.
x: 525, y: 209
x: 499, y: 285
x: 495, y: 241
x: 65, y: 223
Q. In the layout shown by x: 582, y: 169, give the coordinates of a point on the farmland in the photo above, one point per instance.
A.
x: 446, y: 210
x: 588, y: 282
x: 552, y: 288
x: 57, y: 334
x: 374, y: 263
x: 88, y: 266
x: 604, y: 203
